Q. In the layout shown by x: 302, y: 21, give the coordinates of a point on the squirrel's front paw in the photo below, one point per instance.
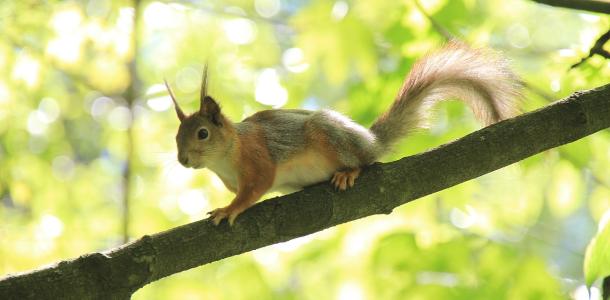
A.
x: 225, y: 212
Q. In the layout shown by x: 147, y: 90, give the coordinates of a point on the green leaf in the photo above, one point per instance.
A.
x: 597, y: 257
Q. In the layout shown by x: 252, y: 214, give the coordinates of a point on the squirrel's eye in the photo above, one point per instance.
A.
x: 202, y: 134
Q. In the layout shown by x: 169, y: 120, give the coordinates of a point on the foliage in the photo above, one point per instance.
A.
x: 65, y: 114
x: 597, y: 257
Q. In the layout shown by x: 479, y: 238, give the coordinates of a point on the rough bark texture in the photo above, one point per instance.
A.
x: 599, y: 6
x: 119, y: 272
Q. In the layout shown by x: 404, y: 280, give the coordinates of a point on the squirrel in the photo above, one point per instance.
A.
x: 282, y: 149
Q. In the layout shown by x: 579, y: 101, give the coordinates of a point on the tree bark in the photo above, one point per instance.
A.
x: 599, y: 6
x: 119, y: 272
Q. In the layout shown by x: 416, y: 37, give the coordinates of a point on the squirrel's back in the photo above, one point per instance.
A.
x: 291, y: 131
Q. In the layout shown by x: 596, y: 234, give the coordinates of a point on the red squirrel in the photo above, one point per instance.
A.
x: 283, y: 149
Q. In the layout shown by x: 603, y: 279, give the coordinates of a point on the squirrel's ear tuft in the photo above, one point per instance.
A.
x: 211, y: 109
x: 208, y: 106
x: 179, y: 112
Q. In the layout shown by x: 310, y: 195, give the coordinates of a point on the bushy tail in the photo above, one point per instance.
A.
x: 478, y: 77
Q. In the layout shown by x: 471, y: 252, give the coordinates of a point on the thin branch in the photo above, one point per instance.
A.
x: 437, y: 26
x: 598, y: 6
x: 119, y: 272
x: 598, y: 48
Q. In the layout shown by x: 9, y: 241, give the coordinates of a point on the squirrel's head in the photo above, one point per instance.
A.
x: 202, y: 136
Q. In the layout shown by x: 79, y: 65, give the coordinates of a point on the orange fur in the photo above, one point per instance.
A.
x: 320, y: 142
x: 313, y: 164
x: 343, y: 178
x: 254, y: 178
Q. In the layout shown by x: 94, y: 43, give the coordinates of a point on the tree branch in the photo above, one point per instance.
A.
x: 119, y: 272
x: 598, y: 48
x: 599, y: 6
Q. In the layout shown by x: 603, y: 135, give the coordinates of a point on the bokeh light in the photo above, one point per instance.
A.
x: 269, y: 90
x: 339, y: 11
x: 267, y: 8
x: 240, y: 31
x: 294, y: 60
x: 26, y: 69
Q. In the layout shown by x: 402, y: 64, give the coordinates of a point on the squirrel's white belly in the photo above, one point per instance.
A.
x: 302, y: 170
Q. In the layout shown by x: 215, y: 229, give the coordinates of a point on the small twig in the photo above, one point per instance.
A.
x: 599, y: 6
x: 437, y: 26
x: 598, y: 48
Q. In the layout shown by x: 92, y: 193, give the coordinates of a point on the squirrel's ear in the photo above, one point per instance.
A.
x: 208, y: 106
x: 211, y: 109
x: 179, y: 112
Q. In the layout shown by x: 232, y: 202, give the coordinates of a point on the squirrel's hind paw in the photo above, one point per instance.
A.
x: 344, y: 179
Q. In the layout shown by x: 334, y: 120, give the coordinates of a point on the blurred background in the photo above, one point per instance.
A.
x: 88, y: 158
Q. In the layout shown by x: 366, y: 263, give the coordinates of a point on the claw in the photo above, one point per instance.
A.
x: 228, y: 213
x: 217, y: 215
x: 232, y: 218
x: 344, y: 179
